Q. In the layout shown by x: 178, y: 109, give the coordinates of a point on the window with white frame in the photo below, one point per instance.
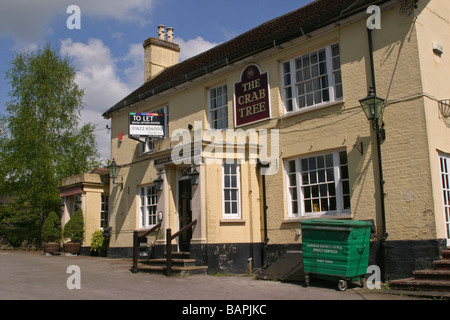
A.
x: 312, y: 79
x: 148, y: 201
x: 444, y: 161
x: 149, y: 144
x: 231, y: 191
x: 318, y: 185
x: 104, y: 213
x: 218, y: 111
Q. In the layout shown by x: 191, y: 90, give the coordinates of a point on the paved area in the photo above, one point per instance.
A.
x: 31, y: 276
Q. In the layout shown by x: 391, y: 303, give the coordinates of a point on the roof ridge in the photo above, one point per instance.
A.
x: 286, y: 27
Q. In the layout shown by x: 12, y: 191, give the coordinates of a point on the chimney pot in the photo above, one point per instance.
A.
x: 161, y: 32
x: 170, y: 34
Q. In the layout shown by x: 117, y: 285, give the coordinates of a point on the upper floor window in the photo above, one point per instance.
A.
x: 148, y: 144
x: 312, y: 79
x: 218, y: 111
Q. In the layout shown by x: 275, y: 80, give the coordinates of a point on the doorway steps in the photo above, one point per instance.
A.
x: 437, y: 279
x: 182, y: 265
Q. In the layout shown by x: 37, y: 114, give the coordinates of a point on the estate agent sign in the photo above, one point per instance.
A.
x: 146, y: 125
x: 251, y: 97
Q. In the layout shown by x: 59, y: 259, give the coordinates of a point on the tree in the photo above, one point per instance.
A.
x: 43, y: 140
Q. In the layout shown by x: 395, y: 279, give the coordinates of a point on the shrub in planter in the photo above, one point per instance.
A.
x: 74, y: 230
x: 99, y: 244
x: 51, y: 233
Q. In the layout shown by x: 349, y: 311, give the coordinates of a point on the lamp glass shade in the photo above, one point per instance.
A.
x: 158, y: 183
x: 113, y: 169
x: 372, y: 105
x: 193, y: 176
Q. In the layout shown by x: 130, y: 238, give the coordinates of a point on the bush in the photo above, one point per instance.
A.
x: 99, y: 243
x: 74, y: 228
x: 51, y: 229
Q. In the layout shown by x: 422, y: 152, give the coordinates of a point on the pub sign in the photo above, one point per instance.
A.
x: 251, y: 97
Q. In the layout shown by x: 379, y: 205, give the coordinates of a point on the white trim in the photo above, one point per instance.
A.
x: 293, y: 82
x: 143, y: 214
x: 445, y: 193
x: 339, y: 192
x: 228, y: 216
x: 223, y: 107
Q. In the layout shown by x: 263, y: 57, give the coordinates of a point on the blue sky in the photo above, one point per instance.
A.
x: 107, y: 50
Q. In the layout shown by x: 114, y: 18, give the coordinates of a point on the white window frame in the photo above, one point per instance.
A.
x: 104, y: 211
x: 444, y: 169
x: 147, y: 219
x: 148, y: 145
x: 298, y: 193
x: 230, y: 188
x: 290, y: 84
x: 223, y: 106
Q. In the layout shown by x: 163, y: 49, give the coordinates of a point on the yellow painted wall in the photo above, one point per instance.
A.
x: 402, y: 68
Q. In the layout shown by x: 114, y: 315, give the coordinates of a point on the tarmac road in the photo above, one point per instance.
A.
x: 33, y: 276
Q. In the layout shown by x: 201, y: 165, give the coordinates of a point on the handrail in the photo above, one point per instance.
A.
x: 136, y: 243
x: 169, y: 238
x: 184, y: 229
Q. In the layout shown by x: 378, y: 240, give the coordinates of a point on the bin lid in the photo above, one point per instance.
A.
x: 338, y: 224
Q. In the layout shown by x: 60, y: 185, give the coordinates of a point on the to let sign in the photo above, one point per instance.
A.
x: 146, y: 125
x: 251, y: 97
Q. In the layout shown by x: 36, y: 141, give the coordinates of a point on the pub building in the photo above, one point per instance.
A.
x: 264, y: 131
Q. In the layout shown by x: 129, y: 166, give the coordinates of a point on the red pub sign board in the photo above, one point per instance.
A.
x: 251, y: 97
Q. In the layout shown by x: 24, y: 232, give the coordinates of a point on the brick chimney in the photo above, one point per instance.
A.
x: 160, y: 53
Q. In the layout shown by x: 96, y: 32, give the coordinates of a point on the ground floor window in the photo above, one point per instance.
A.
x: 231, y: 191
x: 148, y: 200
x: 318, y: 185
x: 104, y: 213
x: 444, y: 161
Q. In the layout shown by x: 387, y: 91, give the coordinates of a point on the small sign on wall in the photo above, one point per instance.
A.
x: 146, y: 125
x: 251, y: 97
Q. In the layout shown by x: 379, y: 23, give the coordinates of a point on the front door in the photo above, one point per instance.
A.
x: 185, y: 213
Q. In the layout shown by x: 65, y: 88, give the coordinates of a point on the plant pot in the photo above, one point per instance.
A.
x: 51, y: 247
x: 72, y: 248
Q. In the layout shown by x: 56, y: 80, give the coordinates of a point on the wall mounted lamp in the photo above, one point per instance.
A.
x: 113, y: 170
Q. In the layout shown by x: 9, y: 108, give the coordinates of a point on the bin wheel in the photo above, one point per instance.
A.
x: 307, y: 280
x: 342, y: 285
x: 363, y: 281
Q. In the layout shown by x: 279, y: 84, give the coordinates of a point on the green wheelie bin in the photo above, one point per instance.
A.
x: 336, y: 250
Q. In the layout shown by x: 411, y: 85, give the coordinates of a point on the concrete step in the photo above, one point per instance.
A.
x: 175, y: 262
x: 180, y: 255
x: 442, y: 264
x: 432, y: 274
x: 178, y: 270
x: 413, y: 284
x: 446, y: 255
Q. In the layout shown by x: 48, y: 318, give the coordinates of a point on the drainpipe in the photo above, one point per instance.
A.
x: 265, y: 207
x: 379, y: 132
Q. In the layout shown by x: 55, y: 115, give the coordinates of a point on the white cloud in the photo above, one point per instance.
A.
x: 98, y: 76
x: 105, y: 84
x: 28, y: 21
x: 192, y: 47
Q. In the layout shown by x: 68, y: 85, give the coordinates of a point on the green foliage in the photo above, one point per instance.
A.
x: 51, y: 229
x: 17, y: 223
x: 99, y: 243
x: 42, y: 140
x: 74, y: 228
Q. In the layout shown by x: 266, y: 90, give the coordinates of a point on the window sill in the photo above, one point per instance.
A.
x: 232, y: 221
x: 309, y: 109
x: 325, y: 216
